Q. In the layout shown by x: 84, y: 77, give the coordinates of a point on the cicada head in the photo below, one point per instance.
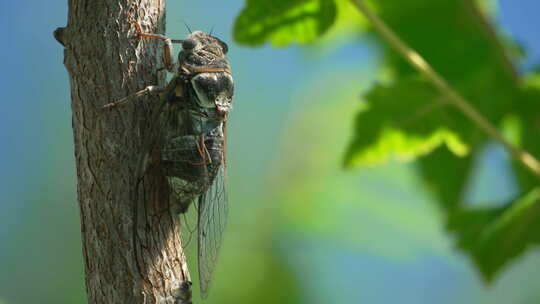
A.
x: 204, y: 44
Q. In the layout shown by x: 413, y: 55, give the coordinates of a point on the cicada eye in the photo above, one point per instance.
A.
x: 224, y: 47
x: 188, y: 44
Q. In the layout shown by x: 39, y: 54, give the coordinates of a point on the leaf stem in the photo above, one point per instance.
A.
x: 420, y: 64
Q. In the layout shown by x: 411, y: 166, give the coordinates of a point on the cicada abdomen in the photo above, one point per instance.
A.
x: 192, y: 161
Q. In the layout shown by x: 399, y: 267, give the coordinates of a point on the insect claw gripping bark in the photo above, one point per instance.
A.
x: 196, y: 102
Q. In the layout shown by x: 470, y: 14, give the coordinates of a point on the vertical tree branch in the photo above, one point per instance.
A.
x: 131, y: 243
x: 458, y: 101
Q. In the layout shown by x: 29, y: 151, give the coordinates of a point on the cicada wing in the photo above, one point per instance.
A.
x: 183, y: 187
x: 213, y: 211
x: 184, y: 157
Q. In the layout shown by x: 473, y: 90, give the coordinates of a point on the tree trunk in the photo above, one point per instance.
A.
x: 131, y: 243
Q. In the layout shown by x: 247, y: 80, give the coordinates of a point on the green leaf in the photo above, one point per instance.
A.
x: 458, y: 46
x: 493, y: 237
x: 446, y: 176
x: 283, y: 22
x: 403, y: 121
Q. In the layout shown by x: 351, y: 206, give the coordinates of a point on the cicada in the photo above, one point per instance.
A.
x: 197, y: 102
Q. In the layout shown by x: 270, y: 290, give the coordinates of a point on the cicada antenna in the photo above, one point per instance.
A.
x: 187, y: 27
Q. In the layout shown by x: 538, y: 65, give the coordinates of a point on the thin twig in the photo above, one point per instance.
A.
x: 526, y: 159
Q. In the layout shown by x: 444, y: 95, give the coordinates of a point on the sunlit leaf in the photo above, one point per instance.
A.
x: 403, y: 121
x: 283, y: 22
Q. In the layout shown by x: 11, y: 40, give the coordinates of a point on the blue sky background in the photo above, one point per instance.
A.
x: 396, y: 252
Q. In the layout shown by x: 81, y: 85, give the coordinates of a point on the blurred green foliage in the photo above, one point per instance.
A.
x: 405, y: 118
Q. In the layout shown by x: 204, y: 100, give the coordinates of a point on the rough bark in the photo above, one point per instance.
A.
x: 117, y: 190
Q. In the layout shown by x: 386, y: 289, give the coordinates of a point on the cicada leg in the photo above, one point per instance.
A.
x: 203, y: 152
x: 147, y: 90
x: 168, y: 58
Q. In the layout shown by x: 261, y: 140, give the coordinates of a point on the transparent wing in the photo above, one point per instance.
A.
x: 189, y: 228
x: 213, y: 212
